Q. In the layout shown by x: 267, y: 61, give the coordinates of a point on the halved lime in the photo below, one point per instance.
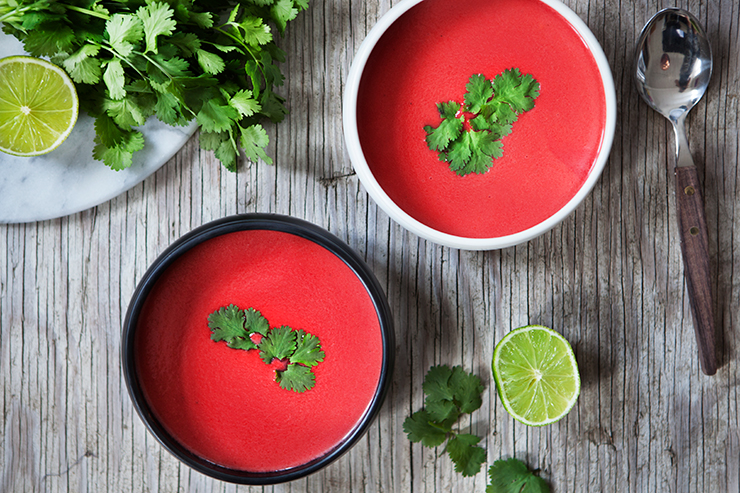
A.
x: 38, y: 106
x: 536, y: 375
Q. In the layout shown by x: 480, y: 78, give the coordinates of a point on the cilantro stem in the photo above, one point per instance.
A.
x: 246, y: 48
x: 92, y: 13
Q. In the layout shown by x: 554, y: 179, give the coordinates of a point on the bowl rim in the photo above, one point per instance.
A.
x: 242, y: 222
x: 371, y: 185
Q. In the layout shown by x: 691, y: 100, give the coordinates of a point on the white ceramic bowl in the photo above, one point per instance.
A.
x: 380, y: 196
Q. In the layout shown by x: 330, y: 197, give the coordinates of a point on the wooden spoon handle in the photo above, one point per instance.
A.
x: 695, y: 248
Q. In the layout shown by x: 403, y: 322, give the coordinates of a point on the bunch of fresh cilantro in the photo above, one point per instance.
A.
x: 299, y: 350
x: 469, y: 135
x: 450, y: 393
x: 212, y: 61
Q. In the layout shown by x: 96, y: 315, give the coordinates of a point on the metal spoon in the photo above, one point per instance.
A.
x: 673, y: 65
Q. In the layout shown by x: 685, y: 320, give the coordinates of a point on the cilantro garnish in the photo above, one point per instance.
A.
x: 214, y: 62
x: 449, y: 394
x: 469, y: 136
x: 513, y: 476
x: 298, y: 349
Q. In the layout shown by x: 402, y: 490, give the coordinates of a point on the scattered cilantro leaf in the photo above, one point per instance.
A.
x: 466, y: 454
x: 513, y: 476
x: 449, y: 393
x: 469, y: 135
x: 420, y: 427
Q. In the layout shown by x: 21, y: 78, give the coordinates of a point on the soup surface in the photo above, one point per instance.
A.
x: 223, y: 404
x: 427, y: 56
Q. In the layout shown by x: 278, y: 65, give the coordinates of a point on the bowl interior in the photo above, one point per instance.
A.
x: 219, y: 410
x: 423, y: 52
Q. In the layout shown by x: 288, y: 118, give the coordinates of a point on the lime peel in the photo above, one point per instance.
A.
x: 536, y: 375
x: 38, y: 106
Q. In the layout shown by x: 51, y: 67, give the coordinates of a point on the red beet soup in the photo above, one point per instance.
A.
x: 223, y: 404
x: 427, y: 56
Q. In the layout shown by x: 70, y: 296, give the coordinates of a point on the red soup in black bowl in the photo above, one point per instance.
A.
x: 258, y: 348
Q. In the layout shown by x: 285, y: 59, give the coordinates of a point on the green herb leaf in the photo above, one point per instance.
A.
x: 466, y: 455
x: 297, y: 378
x: 519, y: 91
x: 420, y: 427
x: 490, y: 108
x: 124, y: 31
x: 450, y: 392
x: 156, y: 18
x: 479, y: 91
x: 447, y: 131
x: 467, y: 390
x: 279, y: 343
x: 255, y: 323
x: 82, y: 66
x: 308, y: 350
x: 513, y: 476
x: 236, y: 327
x: 227, y: 324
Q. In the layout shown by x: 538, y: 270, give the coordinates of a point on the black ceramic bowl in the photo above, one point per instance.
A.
x: 169, y: 262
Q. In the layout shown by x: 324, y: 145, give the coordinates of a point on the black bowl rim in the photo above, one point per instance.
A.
x: 257, y: 221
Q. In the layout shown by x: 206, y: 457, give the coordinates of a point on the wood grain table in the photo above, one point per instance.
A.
x: 609, y: 278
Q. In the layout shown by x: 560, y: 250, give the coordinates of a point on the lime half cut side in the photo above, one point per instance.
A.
x: 38, y: 106
x: 536, y: 375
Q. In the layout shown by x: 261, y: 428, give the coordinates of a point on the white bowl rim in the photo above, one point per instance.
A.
x: 352, y: 139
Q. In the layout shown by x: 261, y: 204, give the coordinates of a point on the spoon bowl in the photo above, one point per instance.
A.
x: 673, y: 65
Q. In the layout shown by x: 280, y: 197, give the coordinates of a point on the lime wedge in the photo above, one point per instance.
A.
x: 38, y: 106
x: 536, y: 375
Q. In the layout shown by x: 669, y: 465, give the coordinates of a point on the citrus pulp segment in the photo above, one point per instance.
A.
x: 536, y: 375
x: 38, y: 106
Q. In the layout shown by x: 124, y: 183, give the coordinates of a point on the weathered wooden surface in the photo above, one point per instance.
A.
x: 610, y: 278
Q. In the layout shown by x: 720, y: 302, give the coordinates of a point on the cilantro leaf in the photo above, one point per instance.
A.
x: 156, y: 18
x: 210, y: 62
x: 437, y: 383
x: 489, y: 110
x: 420, y: 427
x: 227, y: 324
x: 216, y: 117
x: 447, y: 131
x: 282, y: 12
x: 479, y: 91
x: 516, y: 90
x: 449, y: 392
x: 308, y: 350
x: 279, y: 343
x: 254, y: 322
x: 124, y: 30
x: 244, y: 103
x: 513, y: 476
x: 297, y: 378
x: 82, y: 66
x: 466, y: 455
x: 115, y: 78
x: 467, y: 390
x: 235, y: 326
x: 253, y: 140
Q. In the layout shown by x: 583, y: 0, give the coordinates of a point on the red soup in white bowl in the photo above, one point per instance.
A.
x: 301, y: 384
x: 424, y: 53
